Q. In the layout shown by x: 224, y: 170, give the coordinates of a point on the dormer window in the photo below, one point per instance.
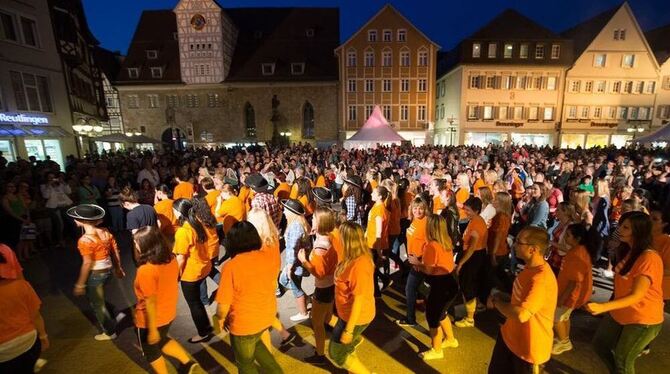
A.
x: 133, y: 73
x: 372, y: 35
x: 156, y: 72
x: 297, y: 68
x: 309, y: 33
x: 152, y: 54
x: 268, y: 68
x: 258, y: 34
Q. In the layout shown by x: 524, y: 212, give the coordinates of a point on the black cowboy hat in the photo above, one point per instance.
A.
x: 86, y: 212
x: 257, y: 183
x: 354, y: 180
x: 322, y: 194
x: 294, y: 206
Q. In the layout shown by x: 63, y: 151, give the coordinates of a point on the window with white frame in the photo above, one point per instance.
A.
x: 368, y: 110
x: 633, y: 112
x: 623, y: 112
x: 351, y: 85
x: 386, y: 85
x: 31, y: 92
x: 213, y: 100
x: 493, y: 49
x: 386, y: 110
x: 476, y: 50
x: 351, y: 58
x: 404, y: 58
x: 539, y: 51
x: 574, y: 86
x: 506, y: 83
x: 555, y: 51
x: 404, y: 112
x: 628, y: 61
x: 488, y: 112
x: 352, y: 112
x: 588, y: 86
x: 502, y: 112
x: 585, y: 112
x: 616, y: 87
x: 29, y: 32
x: 521, y: 82
x: 369, y: 58
x: 628, y: 88
x: 620, y: 34
x: 372, y: 35
x: 192, y: 101
x: 472, y: 112
x: 423, y: 58
x: 650, y: 87
x: 387, y: 58
x: 508, y: 50
x: 551, y: 83
x: 611, y: 112
x: 639, y: 87
x: 601, y: 86
x: 548, y: 113
x: 490, y: 82
x: 152, y: 54
x: 442, y: 111
x: 404, y: 85
x: 422, y: 85
x: 597, y: 112
x: 133, y: 73
x: 156, y: 72
x: 153, y: 101
x: 599, y: 60
x: 664, y: 111
x: 387, y: 36
x: 268, y: 68
x: 666, y: 82
x: 8, y: 29
x: 533, y: 113
x: 133, y: 101
x: 172, y: 101
x: 523, y: 50
x: 537, y: 84
x: 297, y: 68
x: 475, y: 81
x: 402, y: 35
x: 369, y: 85
x: 518, y: 112
x: 421, y: 113
x: 643, y: 113
x: 572, y: 111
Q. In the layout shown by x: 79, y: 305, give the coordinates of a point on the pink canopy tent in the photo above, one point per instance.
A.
x: 375, y: 131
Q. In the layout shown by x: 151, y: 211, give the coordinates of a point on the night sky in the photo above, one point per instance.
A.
x: 446, y: 22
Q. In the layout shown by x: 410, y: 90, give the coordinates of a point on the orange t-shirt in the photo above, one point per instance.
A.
x: 478, y: 225
x: 378, y: 210
x: 437, y: 205
x: 661, y: 244
x: 248, y: 283
x: 517, y: 190
x: 338, y: 245
x: 438, y: 257
x: 320, y: 181
x: 323, y: 261
x: 198, y: 262
x: 649, y: 310
x: 356, y: 281
x: 210, y: 198
x: 162, y: 282
x: 184, y: 190
x: 245, y: 197
x: 535, y: 290
x: 576, y: 267
x: 165, y: 213
x: 273, y: 250
x: 98, y: 248
x: 405, y: 203
x: 416, y: 236
x: 394, y: 218
x: 231, y: 211
x: 282, y: 191
x: 212, y: 242
x: 479, y: 183
x: 18, y: 303
x: 500, y: 225
x: 309, y: 207
x: 462, y: 195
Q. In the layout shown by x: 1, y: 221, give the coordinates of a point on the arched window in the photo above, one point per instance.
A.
x: 308, y: 121
x: 250, y: 120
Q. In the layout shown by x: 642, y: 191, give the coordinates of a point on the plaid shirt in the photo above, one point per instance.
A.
x: 352, y: 210
x: 268, y: 203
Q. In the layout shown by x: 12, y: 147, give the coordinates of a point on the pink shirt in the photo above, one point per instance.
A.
x: 11, y: 269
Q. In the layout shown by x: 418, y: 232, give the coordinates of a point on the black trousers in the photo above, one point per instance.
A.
x: 503, y: 361
x: 191, y: 291
x: 24, y: 363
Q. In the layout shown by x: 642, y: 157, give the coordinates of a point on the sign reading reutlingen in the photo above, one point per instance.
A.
x: 22, y: 118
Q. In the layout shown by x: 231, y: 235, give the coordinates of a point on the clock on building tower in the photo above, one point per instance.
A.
x: 198, y: 22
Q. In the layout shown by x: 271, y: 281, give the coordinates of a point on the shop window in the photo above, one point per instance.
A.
x: 572, y: 140
x: 597, y: 140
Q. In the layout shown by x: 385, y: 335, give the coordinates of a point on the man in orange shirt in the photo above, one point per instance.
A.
x: 525, y: 339
x: 229, y: 208
x: 283, y: 190
x: 184, y: 189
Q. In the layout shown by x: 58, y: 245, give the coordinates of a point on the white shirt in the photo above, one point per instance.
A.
x: 487, y: 214
x: 151, y: 175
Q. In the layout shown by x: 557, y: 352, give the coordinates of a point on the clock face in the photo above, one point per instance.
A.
x: 198, y: 22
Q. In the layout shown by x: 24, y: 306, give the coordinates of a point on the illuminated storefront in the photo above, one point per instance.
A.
x: 26, y: 134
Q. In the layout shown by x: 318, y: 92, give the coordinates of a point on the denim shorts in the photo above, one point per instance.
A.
x: 293, y: 283
x: 339, y: 352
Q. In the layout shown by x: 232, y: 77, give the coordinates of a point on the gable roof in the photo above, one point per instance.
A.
x: 391, y: 8
x: 659, y: 41
x: 109, y: 62
x: 512, y: 25
x: 583, y: 33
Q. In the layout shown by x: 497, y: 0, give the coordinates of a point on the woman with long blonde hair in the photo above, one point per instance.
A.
x: 583, y: 213
x: 438, y: 264
x: 296, y: 238
x: 354, y: 299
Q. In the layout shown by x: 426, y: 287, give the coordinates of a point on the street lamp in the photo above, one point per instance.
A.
x: 635, y: 130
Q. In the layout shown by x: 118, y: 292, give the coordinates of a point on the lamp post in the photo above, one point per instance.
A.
x: 285, y: 137
x: 88, y: 128
x: 635, y: 130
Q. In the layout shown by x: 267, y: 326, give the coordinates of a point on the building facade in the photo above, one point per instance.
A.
x: 35, y: 117
x: 110, y: 64
x: 203, y: 75
x: 659, y: 40
x: 503, y: 83
x: 390, y: 63
x: 612, y: 84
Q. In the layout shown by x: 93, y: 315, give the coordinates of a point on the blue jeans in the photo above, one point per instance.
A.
x: 292, y: 282
x: 620, y: 345
x: 414, y: 280
x: 95, y: 292
x: 216, y: 277
x: 248, y: 350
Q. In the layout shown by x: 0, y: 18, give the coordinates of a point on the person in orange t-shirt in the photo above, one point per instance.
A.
x: 229, y: 208
x: 283, y: 190
x: 194, y: 259
x: 246, y: 298
x: 305, y: 196
x: 462, y: 195
x: 525, y: 339
x: 163, y: 206
x: 498, y: 249
x: 156, y: 284
x: 354, y: 299
x: 376, y: 235
x: 471, y: 268
x: 212, y: 194
x: 635, y: 314
x: 203, y: 214
x: 184, y: 189
x: 436, y: 188
x: 416, y: 239
x: 575, y: 284
x: 661, y: 243
x: 437, y: 264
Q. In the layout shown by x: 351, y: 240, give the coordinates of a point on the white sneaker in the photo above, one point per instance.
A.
x: 449, y: 343
x: 299, y: 317
x: 103, y: 337
x: 608, y: 274
x: 432, y: 354
x: 465, y: 322
x: 39, y: 364
x: 561, y: 346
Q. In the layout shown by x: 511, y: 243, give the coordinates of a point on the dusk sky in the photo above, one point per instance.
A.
x: 445, y: 21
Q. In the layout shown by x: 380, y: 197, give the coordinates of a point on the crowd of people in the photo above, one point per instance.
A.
x: 513, y: 229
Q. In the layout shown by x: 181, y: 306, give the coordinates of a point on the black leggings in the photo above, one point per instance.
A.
x: 191, y: 291
x: 25, y: 362
x: 473, y: 274
x: 443, y: 292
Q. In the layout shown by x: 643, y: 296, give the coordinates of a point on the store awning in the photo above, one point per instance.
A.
x: 44, y: 131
